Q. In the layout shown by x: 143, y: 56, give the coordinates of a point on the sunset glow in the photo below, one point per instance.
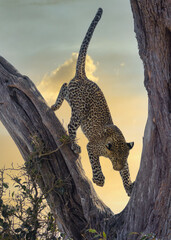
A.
x: 42, y: 39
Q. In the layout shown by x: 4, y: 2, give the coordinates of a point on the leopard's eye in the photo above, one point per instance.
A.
x: 109, y: 146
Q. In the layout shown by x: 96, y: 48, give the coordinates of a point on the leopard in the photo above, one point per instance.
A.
x: 90, y: 111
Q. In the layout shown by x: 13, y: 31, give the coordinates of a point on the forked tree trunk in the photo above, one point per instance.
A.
x: 36, y: 130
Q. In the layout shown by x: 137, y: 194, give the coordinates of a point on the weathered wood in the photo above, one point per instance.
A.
x: 149, y: 207
x: 70, y: 195
x: 36, y: 130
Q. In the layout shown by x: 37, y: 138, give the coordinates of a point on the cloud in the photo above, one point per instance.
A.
x: 52, y: 82
x: 33, y: 2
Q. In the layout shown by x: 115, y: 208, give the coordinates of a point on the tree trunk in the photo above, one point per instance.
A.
x: 37, y: 132
x: 71, y: 197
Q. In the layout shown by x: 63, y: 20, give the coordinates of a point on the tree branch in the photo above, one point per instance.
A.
x: 35, y: 128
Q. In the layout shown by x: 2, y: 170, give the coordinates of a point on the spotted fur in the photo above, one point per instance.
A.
x: 90, y: 111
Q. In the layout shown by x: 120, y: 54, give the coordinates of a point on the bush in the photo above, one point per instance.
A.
x: 24, y: 214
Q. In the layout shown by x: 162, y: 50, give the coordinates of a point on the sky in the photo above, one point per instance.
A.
x: 41, y: 38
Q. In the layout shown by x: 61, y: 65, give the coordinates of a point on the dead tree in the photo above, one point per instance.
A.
x: 71, y: 197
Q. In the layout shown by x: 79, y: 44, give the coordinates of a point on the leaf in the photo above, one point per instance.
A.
x: 1, y: 202
x: 17, y: 230
x: 23, y: 187
x: 12, y: 194
x: 63, y: 235
x: 40, y: 200
x: 5, y: 225
x: 104, y: 235
x: 17, y: 180
x: 5, y: 211
x: 97, y: 235
x: 1, y: 221
x: 5, y: 185
x: 92, y: 230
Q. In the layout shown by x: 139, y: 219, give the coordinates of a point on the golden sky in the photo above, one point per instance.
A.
x: 42, y: 38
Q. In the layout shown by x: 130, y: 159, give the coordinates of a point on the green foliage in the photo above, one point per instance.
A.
x: 65, y: 139
x: 142, y: 236
x: 98, y: 236
x: 24, y: 214
x: 38, y: 145
x: 5, y: 185
x: 39, y: 149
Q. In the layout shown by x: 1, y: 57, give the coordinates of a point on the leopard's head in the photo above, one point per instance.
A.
x: 116, y: 148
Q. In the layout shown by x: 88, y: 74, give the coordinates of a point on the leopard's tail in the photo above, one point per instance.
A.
x: 80, y: 68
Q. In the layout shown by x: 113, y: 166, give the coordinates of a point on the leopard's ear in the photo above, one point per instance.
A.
x: 130, y: 145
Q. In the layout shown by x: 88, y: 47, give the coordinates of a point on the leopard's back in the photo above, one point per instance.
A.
x: 86, y: 97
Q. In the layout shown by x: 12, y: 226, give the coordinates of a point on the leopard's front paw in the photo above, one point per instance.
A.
x: 76, y: 148
x: 54, y: 107
x: 99, y: 180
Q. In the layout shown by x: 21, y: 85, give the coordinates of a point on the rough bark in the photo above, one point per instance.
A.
x: 36, y: 131
x: 74, y: 202
x: 151, y: 201
x: 149, y: 207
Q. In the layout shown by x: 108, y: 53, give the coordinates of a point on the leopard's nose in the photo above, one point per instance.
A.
x: 118, y: 167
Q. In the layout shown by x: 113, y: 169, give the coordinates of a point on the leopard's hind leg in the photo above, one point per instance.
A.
x: 74, y: 124
x: 62, y: 95
x: 128, y: 185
